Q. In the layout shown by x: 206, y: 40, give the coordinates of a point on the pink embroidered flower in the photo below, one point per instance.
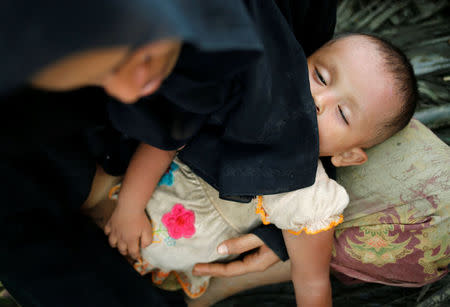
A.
x: 179, y: 222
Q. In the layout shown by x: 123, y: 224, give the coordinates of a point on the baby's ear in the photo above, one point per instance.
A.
x: 355, y: 156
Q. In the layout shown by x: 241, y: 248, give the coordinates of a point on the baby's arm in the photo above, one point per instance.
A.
x: 310, y: 262
x: 129, y: 224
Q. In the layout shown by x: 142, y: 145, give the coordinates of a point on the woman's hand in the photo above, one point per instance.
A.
x: 259, y: 260
x: 260, y: 267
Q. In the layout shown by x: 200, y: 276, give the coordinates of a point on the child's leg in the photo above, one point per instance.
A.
x: 101, y: 185
x: 223, y: 287
x: 98, y: 206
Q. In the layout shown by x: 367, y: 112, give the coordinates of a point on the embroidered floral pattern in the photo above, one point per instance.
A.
x: 179, y: 222
x: 160, y: 235
x: 380, y: 247
x: 167, y: 178
x: 397, y: 221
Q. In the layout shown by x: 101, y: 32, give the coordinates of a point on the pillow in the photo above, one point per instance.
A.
x: 396, y: 227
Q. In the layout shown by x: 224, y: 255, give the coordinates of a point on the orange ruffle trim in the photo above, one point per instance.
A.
x: 265, y: 219
x: 113, y: 193
x: 260, y: 210
x: 158, y: 277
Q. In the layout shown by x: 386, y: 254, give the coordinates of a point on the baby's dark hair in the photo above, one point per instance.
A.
x: 399, y: 66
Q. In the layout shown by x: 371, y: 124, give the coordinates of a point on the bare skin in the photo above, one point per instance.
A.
x: 124, y: 75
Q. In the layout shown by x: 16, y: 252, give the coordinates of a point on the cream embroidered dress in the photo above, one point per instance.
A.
x: 189, y: 220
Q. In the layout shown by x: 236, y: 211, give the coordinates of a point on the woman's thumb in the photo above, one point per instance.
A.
x: 239, y: 245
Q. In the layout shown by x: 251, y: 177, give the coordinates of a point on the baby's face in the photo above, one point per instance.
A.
x: 353, y: 93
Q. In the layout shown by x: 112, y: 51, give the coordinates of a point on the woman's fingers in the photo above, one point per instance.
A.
x: 257, y: 261
x: 219, y: 269
x: 239, y: 245
x: 262, y: 258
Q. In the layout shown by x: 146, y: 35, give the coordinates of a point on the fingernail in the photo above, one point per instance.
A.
x: 222, y: 249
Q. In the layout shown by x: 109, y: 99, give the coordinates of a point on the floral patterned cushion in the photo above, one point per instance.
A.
x: 396, y: 227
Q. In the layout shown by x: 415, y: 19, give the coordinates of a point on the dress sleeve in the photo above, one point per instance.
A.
x: 313, y: 209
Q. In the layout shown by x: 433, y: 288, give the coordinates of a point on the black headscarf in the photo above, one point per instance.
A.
x: 250, y: 129
x: 36, y: 33
x: 312, y: 22
x: 51, y: 128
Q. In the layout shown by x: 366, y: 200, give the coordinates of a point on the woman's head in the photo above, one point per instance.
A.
x: 124, y: 74
x: 364, y: 90
x: 126, y: 46
x: 36, y: 35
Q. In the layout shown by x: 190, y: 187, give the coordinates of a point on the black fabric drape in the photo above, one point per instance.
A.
x: 36, y: 33
x: 53, y: 256
x: 251, y: 131
x: 248, y: 131
x: 50, y: 254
